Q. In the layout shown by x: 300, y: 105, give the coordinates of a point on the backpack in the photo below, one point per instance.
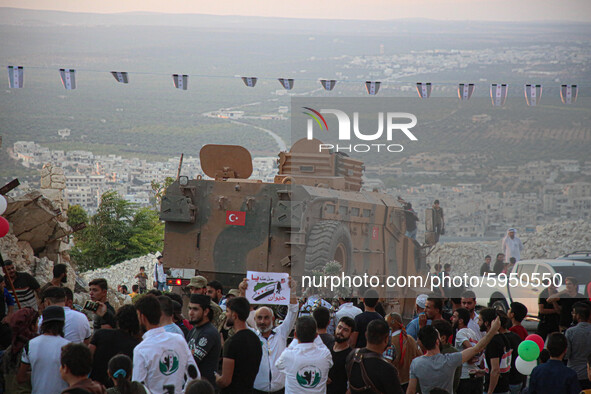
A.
x: 358, y: 358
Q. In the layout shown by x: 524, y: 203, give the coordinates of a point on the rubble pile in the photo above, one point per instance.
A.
x: 124, y: 273
x: 549, y: 241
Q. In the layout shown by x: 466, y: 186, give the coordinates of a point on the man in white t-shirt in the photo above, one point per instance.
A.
x: 469, y: 302
x: 347, y: 309
x: 162, y: 361
x: 42, y: 354
x: 77, y: 327
x: 465, y: 339
x: 305, y: 365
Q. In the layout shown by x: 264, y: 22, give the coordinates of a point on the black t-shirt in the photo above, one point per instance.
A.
x: 245, y: 349
x: 361, y: 322
x: 514, y: 340
x: 484, y: 268
x: 498, y: 267
x: 205, y: 346
x: 338, y: 372
x: 382, y: 374
x: 108, y: 318
x: 549, y: 320
x: 566, y: 307
x: 499, y: 347
x: 183, y: 328
x: 328, y: 340
x: 109, y: 343
x: 411, y: 220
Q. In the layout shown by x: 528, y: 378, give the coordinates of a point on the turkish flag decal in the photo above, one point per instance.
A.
x: 236, y: 218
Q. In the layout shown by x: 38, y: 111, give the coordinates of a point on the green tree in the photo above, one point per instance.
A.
x: 117, y: 232
x: 159, y: 190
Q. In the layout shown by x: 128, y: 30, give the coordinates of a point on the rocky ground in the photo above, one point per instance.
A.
x: 549, y: 241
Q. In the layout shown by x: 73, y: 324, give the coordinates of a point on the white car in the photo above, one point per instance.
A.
x: 527, y: 280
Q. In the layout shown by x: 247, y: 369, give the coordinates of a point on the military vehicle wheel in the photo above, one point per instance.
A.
x: 329, y: 240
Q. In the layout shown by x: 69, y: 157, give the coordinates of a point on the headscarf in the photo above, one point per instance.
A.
x: 20, y: 323
x: 391, y: 319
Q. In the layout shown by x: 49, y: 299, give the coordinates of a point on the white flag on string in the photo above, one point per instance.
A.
x: 287, y: 83
x: 498, y: 93
x: 465, y: 91
x: 68, y: 76
x: 568, y: 93
x: 328, y: 84
x: 372, y: 87
x: 250, y: 81
x: 120, y: 76
x: 424, y: 89
x: 15, y: 77
x: 533, y: 94
x: 181, y: 81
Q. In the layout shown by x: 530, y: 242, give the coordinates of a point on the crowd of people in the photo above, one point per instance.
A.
x: 225, y: 344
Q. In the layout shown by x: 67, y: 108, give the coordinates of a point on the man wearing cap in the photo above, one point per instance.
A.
x: 204, y: 339
x: 76, y: 328
x: 42, y: 354
x: 512, y: 246
x: 412, y: 328
x: 198, y: 285
x: 159, y: 275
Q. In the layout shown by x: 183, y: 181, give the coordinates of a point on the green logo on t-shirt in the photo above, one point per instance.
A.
x: 169, y: 362
x: 309, y: 376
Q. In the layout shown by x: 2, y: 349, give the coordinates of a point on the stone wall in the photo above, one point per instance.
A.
x: 549, y: 241
x: 124, y: 273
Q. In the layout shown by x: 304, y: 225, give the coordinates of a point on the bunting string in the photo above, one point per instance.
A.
x: 498, y: 91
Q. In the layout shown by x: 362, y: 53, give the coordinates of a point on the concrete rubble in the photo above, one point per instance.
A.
x: 548, y: 242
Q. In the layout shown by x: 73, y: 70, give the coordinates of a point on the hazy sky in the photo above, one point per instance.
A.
x: 502, y: 10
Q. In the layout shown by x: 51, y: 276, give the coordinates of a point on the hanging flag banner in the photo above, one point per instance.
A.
x: 68, y: 76
x: 498, y: 94
x: 181, y: 81
x: 286, y: 83
x: 120, y: 76
x: 15, y: 77
x: 250, y: 81
x: 328, y: 84
x: 533, y: 94
x: 424, y: 89
x: 568, y: 93
x: 465, y: 91
x: 372, y: 87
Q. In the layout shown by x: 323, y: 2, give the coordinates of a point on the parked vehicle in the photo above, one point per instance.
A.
x: 527, y: 280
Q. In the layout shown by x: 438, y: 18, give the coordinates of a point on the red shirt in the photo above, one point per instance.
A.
x: 519, y: 330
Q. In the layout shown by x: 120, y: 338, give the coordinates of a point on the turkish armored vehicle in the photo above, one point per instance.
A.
x: 314, y: 212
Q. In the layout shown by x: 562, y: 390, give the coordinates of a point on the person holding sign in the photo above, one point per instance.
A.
x: 273, y: 339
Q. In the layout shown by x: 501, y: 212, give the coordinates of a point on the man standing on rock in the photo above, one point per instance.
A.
x: 485, y: 267
x: 512, y: 246
x: 159, y: 275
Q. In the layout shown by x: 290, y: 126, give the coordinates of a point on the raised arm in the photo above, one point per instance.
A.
x: 468, y: 354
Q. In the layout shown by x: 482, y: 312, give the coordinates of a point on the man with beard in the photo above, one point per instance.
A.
x: 242, y: 351
x: 466, y: 338
x: 198, y: 285
x: 337, y: 375
x: 499, y: 265
x: 273, y: 341
x: 216, y: 291
x: 60, y: 277
x: 469, y: 302
x: 204, y: 340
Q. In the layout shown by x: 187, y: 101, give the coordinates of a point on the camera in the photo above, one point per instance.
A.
x: 91, y: 306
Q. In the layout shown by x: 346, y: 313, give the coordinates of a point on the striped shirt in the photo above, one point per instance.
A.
x: 25, y: 286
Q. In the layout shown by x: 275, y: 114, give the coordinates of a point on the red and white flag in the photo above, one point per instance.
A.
x: 236, y: 218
